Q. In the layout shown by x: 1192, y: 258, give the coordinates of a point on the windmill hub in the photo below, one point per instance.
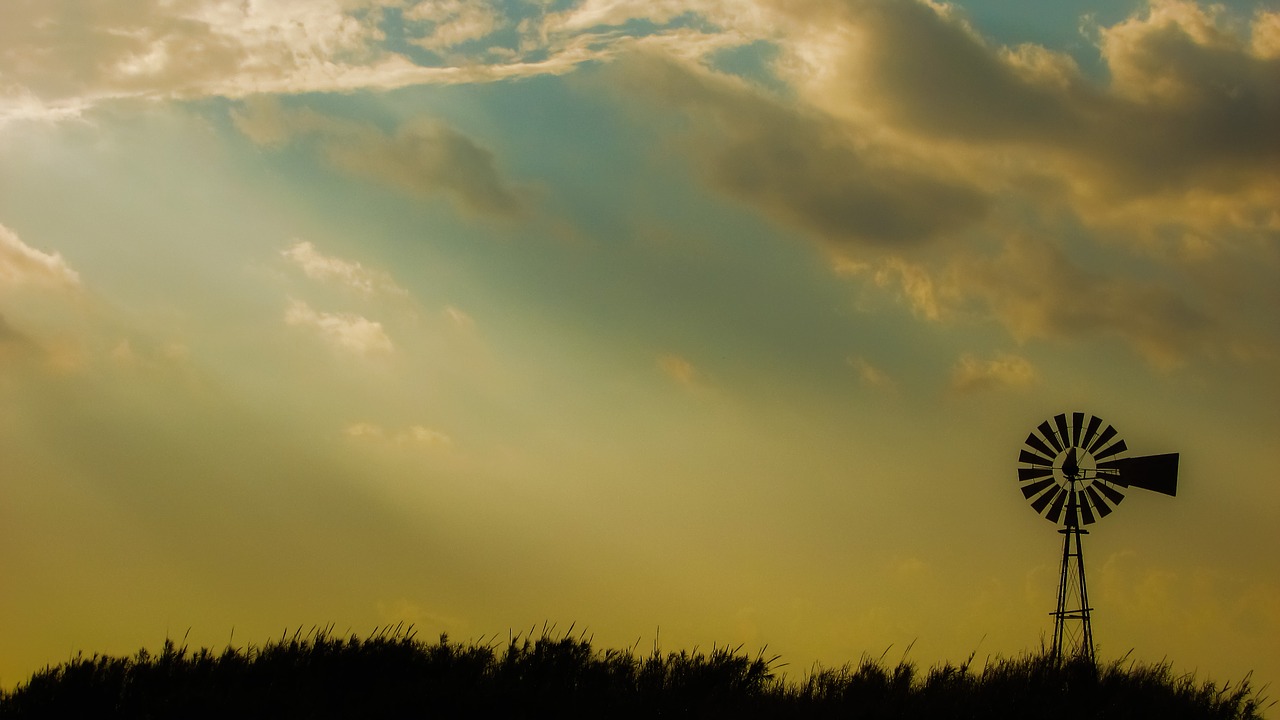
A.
x: 1074, y: 472
x: 1074, y: 465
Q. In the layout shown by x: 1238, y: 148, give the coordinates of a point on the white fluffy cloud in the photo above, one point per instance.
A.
x: 21, y: 264
x: 346, y: 331
x: 62, y: 58
x: 346, y: 273
x: 453, y: 21
x: 70, y: 54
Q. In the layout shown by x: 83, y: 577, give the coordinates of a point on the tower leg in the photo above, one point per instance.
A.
x: 1085, y: 650
x: 1072, y: 630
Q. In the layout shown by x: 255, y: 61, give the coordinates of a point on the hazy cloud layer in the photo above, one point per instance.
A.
x: 894, y: 127
x: 13, y: 342
x: 1040, y: 293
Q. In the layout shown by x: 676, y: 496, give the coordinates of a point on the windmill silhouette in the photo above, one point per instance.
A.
x: 1073, y: 475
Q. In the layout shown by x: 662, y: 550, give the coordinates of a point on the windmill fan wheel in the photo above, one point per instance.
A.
x: 1069, y: 469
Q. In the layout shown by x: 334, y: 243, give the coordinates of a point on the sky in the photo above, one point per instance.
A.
x: 687, y: 323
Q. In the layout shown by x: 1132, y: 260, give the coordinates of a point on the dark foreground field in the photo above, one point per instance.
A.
x: 393, y: 674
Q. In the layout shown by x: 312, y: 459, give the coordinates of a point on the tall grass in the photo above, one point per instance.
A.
x: 392, y: 673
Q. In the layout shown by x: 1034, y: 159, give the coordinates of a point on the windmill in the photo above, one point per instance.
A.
x: 1074, y: 473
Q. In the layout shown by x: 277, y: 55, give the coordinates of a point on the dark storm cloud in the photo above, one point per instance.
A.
x: 424, y: 157
x: 1188, y: 104
x: 907, y: 125
x: 801, y: 167
x: 933, y: 74
x: 1188, y: 108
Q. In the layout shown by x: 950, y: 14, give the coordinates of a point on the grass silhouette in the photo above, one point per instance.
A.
x: 391, y: 673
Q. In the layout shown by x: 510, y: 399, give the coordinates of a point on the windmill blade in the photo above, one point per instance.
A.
x: 1086, y: 512
x: 1103, y: 509
x: 1071, y: 513
x: 1102, y: 439
x: 1038, y: 445
x: 1090, y: 431
x: 1031, y: 473
x: 1077, y: 424
x: 1055, y: 510
x: 1115, y: 449
x: 1031, y: 489
x: 1157, y: 473
x: 1114, y: 495
x: 1047, y: 432
x: 1043, y: 501
x: 1063, y: 431
x: 1030, y: 458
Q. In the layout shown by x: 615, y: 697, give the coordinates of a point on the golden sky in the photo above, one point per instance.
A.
x: 692, y: 322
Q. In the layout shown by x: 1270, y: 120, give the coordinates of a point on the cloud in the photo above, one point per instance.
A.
x: 915, y: 283
x: 677, y: 368
x: 420, y: 435
x: 60, y: 61
x: 453, y: 22
x: 416, y: 435
x: 349, y: 274
x: 1037, y: 291
x: 895, y: 130
x: 9, y: 334
x: 363, y: 429
x: 345, y: 331
x: 1189, y: 107
x: 188, y: 48
x: 870, y: 375
x: 21, y: 264
x: 459, y: 318
x: 801, y: 168
x: 597, y: 13
x: 973, y: 374
x: 907, y: 140
x: 13, y: 342
x: 918, y: 65
x: 423, y: 158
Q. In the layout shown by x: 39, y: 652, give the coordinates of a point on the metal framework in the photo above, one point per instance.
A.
x: 1072, y: 630
x: 1072, y: 471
